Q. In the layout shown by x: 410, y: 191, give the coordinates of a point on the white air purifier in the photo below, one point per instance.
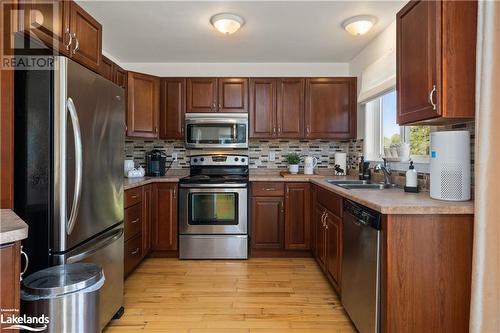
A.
x: 450, y: 165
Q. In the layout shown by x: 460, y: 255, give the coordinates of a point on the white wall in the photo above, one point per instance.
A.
x: 240, y: 69
x: 383, y: 44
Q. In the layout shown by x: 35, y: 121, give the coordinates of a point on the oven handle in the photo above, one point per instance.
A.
x: 227, y: 185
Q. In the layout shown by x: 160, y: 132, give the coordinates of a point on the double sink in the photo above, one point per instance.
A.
x: 359, y: 184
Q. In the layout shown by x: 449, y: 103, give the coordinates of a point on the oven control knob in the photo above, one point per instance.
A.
x: 202, y: 159
x: 195, y: 160
x: 243, y: 159
x: 236, y: 159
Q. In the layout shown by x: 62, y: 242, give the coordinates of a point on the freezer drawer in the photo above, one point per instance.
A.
x: 105, y: 250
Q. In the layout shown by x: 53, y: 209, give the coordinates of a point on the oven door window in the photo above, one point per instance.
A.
x: 213, y: 208
x: 216, y: 133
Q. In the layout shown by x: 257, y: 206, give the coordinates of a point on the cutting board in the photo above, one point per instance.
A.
x: 287, y: 174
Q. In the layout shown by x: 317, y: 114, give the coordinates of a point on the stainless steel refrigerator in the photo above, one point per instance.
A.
x: 68, y: 177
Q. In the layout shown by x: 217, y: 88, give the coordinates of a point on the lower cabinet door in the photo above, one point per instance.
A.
x: 132, y: 253
x: 297, y: 215
x: 333, y: 248
x: 267, y: 222
x: 10, y: 286
x: 164, y: 217
x: 320, y: 237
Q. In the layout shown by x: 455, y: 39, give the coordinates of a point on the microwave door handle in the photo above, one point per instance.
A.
x: 70, y: 224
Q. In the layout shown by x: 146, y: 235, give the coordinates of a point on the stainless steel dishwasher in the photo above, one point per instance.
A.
x: 361, y: 266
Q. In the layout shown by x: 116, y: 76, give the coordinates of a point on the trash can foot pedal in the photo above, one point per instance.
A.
x: 119, y: 313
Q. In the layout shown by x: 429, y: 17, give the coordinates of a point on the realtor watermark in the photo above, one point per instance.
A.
x: 31, y: 39
x: 9, y: 319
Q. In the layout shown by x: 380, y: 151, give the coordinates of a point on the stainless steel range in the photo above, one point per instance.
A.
x: 213, y: 208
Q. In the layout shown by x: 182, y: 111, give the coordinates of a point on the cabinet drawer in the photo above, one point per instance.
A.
x: 133, y: 221
x: 132, y: 253
x: 330, y: 200
x: 132, y: 196
x: 268, y: 189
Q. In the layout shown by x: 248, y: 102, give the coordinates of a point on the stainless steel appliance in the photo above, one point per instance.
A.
x: 69, y: 134
x: 361, y: 266
x: 156, y: 161
x: 213, y: 208
x: 216, y: 130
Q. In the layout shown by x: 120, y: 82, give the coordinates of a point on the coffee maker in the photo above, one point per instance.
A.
x: 155, y: 163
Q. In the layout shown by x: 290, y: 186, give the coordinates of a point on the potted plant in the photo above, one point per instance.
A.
x: 293, y: 160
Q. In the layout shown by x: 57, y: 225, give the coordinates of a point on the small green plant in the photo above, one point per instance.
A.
x: 293, y: 158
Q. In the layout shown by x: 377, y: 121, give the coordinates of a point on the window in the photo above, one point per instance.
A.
x: 383, y: 134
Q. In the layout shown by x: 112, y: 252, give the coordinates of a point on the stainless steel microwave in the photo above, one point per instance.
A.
x: 216, y: 130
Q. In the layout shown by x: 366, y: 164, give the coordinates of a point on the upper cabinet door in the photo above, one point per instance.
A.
x: 201, y: 95
x: 119, y: 76
x: 330, y: 108
x: 262, y: 108
x: 48, y: 21
x: 233, y: 95
x: 418, y: 26
x: 106, y: 69
x: 173, y: 94
x: 290, y: 112
x: 143, y: 105
x: 87, y: 43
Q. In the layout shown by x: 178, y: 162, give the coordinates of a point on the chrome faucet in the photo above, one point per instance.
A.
x: 387, y: 172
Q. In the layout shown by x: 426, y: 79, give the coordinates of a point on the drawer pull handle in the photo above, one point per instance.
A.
x: 26, y: 264
x: 135, y: 251
x: 134, y: 196
x: 135, y: 221
x: 269, y: 189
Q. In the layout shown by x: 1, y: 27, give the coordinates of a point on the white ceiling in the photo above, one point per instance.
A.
x: 275, y: 31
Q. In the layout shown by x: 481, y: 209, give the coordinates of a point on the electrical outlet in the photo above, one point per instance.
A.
x: 174, y: 157
x: 272, y: 156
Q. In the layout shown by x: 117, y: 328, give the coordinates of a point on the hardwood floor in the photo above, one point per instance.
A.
x: 254, y: 296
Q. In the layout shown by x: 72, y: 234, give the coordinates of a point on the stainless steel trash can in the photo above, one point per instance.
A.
x: 68, y: 295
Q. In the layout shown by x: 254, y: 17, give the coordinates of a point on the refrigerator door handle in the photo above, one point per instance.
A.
x: 70, y: 224
x: 96, y: 247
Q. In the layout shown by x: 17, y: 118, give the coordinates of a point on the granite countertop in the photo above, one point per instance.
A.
x: 388, y: 201
x: 12, y: 228
x: 171, y: 176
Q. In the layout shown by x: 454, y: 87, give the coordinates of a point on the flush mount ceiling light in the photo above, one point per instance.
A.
x: 359, y: 25
x: 227, y: 23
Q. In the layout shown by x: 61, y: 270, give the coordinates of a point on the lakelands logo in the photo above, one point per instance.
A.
x: 32, y: 324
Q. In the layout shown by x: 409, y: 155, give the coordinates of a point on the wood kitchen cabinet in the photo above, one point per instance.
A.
x: 164, y: 217
x: 143, y: 105
x: 147, y: 206
x: 106, y: 69
x: 262, y: 115
x: 173, y: 108
x: 276, y: 108
x: 267, y: 222
x: 10, y: 282
x: 202, y: 94
x: 297, y: 216
x: 67, y: 29
x: 280, y: 213
x: 327, y: 222
x: 290, y: 108
x: 331, y: 108
x: 436, y: 61
x: 119, y: 76
x: 217, y: 95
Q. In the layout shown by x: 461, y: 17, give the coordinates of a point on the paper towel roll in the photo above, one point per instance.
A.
x: 341, y: 160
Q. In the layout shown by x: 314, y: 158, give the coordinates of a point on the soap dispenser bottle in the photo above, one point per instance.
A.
x: 411, y: 179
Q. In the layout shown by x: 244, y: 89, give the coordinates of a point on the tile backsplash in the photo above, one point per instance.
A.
x: 259, y: 151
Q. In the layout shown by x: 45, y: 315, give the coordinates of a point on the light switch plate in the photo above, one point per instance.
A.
x: 272, y: 156
x: 174, y: 157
